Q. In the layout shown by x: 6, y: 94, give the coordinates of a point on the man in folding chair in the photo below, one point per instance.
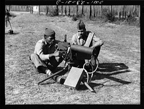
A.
x: 88, y: 39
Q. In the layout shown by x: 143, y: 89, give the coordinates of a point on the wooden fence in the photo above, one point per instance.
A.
x: 85, y: 10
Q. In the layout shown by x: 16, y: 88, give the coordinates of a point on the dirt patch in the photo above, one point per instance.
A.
x: 117, y: 80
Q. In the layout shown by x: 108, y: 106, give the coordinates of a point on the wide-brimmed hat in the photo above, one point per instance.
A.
x: 81, y: 25
x: 49, y: 32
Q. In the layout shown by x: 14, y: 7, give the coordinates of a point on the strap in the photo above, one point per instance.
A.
x: 89, y: 39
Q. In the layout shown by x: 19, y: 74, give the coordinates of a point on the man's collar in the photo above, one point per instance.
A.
x: 45, y: 42
x: 80, y: 36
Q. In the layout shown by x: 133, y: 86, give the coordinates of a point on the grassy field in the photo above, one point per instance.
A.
x: 117, y: 80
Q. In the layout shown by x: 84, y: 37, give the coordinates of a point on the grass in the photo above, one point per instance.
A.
x: 117, y: 80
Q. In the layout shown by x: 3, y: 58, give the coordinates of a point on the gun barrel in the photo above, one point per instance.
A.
x: 82, y: 49
x: 82, y: 52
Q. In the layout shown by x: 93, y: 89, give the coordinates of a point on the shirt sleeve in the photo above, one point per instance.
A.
x: 39, y: 51
x: 38, y: 48
x: 73, y: 40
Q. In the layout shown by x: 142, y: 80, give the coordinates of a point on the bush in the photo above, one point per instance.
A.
x: 76, y: 17
x: 108, y: 15
x: 53, y: 12
x: 131, y: 20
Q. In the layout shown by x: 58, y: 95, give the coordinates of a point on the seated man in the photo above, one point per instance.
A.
x: 86, y: 38
x: 46, y: 57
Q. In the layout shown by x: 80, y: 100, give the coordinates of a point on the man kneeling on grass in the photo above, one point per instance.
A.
x: 46, y: 57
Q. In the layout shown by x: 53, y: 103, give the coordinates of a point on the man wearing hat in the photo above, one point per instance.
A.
x: 46, y: 57
x: 86, y: 38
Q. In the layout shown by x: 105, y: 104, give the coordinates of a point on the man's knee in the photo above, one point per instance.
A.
x: 36, y: 60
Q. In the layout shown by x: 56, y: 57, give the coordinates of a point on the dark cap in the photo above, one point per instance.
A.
x: 49, y: 32
x: 81, y: 25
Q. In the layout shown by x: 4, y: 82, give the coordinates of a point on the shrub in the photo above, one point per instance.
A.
x: 108, y: 15
x: 131, y: 20
x: 76, y: 17
x: 53, y: 12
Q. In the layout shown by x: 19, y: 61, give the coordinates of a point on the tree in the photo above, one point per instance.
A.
x: 94, y: 11
x: 90, y: 15
x: 101, y: 11
x: 47, y: 9
x: 57, y: 9
x: 77, y: 9
x: 27, y: 8
x: 69, y: 11
x: 65, y: 10
x: 61, y: 9
x: 31, y: 9
x: 39, y: 9
x: 82, y: 10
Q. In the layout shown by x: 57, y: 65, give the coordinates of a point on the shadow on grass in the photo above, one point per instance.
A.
x: 106, y: 70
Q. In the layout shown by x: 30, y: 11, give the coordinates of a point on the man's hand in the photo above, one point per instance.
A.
x: 56, y: 53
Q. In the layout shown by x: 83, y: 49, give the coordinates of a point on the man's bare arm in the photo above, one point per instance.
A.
x: 97, y: 42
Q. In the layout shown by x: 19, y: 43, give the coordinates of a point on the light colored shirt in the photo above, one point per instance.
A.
x: 78, y: 40
x: 42, y: 48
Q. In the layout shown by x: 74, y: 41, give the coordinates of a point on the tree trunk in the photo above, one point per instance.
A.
x: 61, y: 9
x: 57, y: 9
x: 111, y: 10
x: 94, y: 11
x: 47, y: 9
x: 69, y: 11
x: 39, y: 9
x: 134, y: 9
x: 90, y: 15
x: 77, y: 10
x: 123, y: 11
x: 27, y: 8
x: 82, y: 10
x: 101, y: 11
x: 65, y: 10
x: 31, y: 9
